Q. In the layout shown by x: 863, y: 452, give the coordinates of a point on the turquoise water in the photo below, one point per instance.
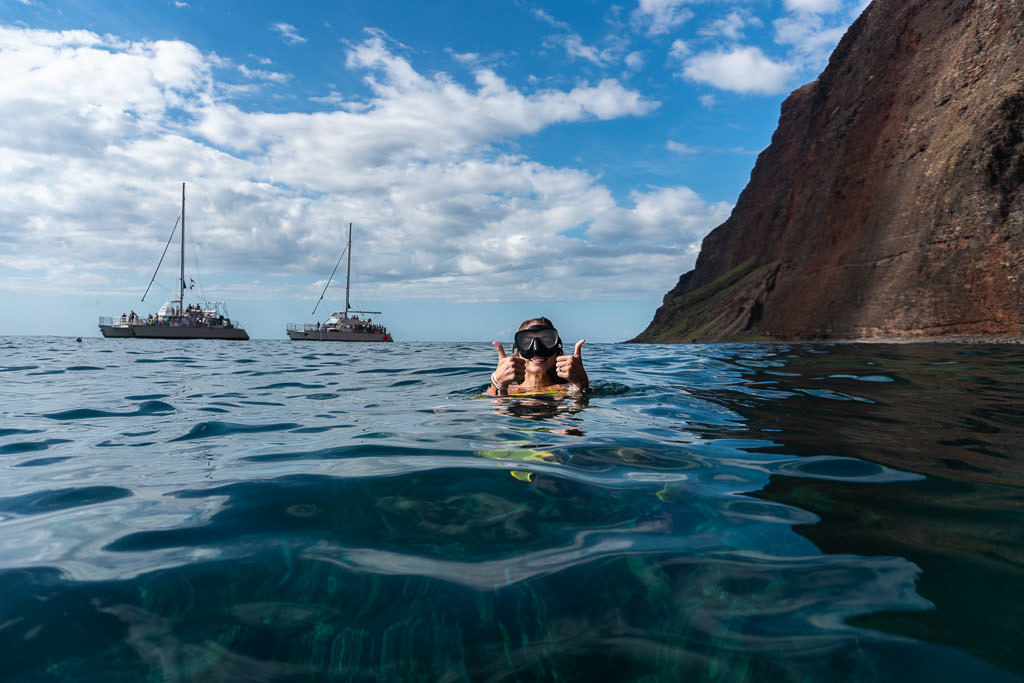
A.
x: 275, y: 510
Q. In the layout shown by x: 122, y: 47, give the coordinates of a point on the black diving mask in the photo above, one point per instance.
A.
x: 537, y: 340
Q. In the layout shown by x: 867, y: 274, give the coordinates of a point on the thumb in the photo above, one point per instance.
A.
x: 579, y: 345
x: 501, y: 349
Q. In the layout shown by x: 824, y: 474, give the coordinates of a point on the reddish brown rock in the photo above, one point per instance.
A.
x: 890, y: 201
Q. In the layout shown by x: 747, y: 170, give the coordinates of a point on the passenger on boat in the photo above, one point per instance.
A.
x: 537, y: 363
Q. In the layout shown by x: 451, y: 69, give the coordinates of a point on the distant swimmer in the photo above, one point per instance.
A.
x: 79, y: 339
x: 538, y: 364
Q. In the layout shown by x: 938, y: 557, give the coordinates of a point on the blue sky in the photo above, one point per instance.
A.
x: 499, y: 160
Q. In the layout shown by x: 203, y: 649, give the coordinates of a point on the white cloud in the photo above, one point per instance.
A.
x: 814, y: 6
x: 100, y: 132
x: 707, y: 101
x: 675, y: 215
x: 810, y: 40
x: 548, y: 19
x: 263, y: 75
x: 806, y: 35
x: 289, y: 33
x: 80, y: 89
x: 680, y: 148
x: 577, y: 49
x: 661, y: 16
x: 468, y: 58
x: 742, y: 70
x: 679, y: 50
x: 731, y: 25
x: 635, y: 60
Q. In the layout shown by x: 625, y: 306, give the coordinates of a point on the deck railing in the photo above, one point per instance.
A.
x: 107, y: 320
x: 125, y: 321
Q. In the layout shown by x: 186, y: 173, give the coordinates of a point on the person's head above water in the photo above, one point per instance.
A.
x: 537, y: 362
x: 537, y: 337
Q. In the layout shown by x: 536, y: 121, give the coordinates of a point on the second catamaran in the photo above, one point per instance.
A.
x: 341, y: 326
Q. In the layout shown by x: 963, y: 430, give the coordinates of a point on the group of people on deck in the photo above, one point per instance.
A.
x: 358, y: 325
x: 368, y: 326
x: 194, y: 316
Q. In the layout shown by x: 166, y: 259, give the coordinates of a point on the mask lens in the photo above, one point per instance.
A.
x: 536, y: 341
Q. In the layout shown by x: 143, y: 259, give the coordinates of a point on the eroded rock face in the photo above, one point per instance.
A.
x: 890, y: 201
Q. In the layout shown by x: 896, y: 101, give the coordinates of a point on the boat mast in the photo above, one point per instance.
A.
x: 181, y: 278
x: 348, y: 274
x: 348, y: 271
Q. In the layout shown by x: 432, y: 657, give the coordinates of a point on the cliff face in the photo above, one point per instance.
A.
x: 890, y: 201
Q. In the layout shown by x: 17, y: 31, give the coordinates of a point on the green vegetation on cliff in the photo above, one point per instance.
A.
x: 698, y: 314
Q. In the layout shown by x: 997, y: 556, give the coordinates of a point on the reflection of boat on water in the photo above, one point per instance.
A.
x: 341, y: 326
x: 175, y: 320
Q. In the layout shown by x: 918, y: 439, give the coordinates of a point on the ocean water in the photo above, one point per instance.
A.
x: 284, y: 511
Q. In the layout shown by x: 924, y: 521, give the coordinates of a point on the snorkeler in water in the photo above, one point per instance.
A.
x: 538, y: 363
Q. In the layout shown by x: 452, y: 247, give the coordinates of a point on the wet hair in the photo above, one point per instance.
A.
x: 535, y: 321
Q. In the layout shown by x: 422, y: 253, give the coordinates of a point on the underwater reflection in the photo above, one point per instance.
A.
x: 543, y: 407
x: 952, y: 413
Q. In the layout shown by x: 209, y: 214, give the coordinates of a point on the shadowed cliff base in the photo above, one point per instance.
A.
x: 888, y: 204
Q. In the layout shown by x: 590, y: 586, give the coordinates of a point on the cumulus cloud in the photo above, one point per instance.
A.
x: 100, y: 132
x: 803, y: 40
x: 741, y: 69
x: 675, y: 216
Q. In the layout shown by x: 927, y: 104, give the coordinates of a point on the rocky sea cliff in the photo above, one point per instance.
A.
x: 889, y: 202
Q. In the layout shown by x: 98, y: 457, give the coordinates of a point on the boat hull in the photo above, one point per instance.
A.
x: 162, y: 332
x: 338, y: 336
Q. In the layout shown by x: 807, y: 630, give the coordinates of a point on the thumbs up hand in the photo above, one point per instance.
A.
x: 510, y: 369
x: 571, y: 368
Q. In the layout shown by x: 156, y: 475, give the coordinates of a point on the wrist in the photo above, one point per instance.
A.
x: 580, y: 385
x: 498, y: 386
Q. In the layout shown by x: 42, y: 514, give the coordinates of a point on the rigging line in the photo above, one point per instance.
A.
x: 329, y: 279
x: 173, y: 230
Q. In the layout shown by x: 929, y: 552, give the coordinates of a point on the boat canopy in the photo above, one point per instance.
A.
x: 168, y: 309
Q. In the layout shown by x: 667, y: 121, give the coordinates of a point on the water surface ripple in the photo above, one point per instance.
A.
x: 271, y: 510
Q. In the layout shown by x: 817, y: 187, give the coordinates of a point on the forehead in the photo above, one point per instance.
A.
x: 531, y: 323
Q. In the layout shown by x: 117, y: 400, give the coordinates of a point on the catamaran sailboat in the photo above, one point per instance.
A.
x: 341, y: 326
x: 175, y: 320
